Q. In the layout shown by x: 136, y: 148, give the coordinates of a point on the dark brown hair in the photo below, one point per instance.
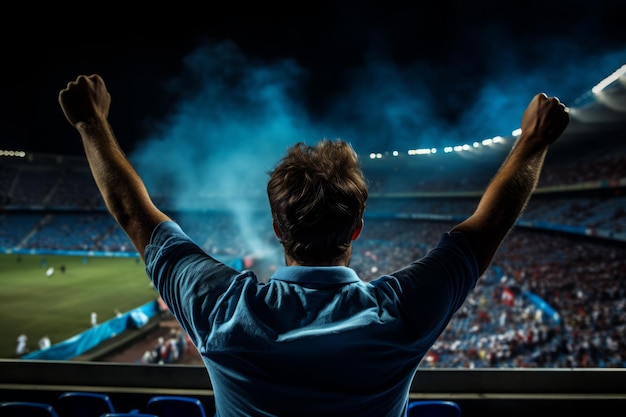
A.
x: 317, y: 196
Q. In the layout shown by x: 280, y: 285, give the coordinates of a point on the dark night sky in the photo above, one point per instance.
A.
x: 378, y: 73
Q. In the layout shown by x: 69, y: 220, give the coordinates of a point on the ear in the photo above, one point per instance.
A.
x: 357, y: 232
x: 276, y: 231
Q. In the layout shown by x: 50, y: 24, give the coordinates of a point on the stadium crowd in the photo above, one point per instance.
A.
x: 553, y: 298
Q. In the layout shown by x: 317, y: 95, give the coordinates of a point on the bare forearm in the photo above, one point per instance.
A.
x: 85, y: 103
x: 122, y: 189
x: 506, y: 197
x: 503, y: 202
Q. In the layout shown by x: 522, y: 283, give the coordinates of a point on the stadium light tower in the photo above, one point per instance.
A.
x: 611, y: 91
x: 618, y: 75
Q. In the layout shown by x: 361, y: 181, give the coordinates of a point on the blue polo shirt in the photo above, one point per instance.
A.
x: 312, y: 340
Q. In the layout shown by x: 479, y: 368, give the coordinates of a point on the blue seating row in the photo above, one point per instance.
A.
x: 93, y: 404
x: 433, y: 408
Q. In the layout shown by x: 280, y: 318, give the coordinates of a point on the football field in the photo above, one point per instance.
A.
x: 55, y: 295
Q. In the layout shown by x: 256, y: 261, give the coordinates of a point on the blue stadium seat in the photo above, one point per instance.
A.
x: 128, y: 414
x: 433, y: 408
x: 26, y: 409
x: 175, y: 406
x: 84, y: 404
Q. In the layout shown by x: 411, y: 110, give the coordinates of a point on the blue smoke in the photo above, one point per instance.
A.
x: 234, y: 115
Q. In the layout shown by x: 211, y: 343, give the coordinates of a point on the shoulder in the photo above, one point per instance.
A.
x: 455, y: 246
x: 169, y: 242
x: 450, y: 260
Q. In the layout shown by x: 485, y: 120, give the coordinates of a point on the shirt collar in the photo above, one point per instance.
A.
x: 316, y: 276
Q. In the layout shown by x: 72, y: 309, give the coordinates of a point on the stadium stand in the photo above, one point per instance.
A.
x: 546, y: 325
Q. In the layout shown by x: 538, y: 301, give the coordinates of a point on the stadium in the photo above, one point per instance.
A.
x: 546, y: 327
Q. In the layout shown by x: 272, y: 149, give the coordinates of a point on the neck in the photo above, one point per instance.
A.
x: 344, y: 261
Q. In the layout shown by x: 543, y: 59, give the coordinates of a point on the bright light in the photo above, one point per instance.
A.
x: 617, y: 76
x: 447, y: 149
x: 608, y: 80
x: 18, y: 154
x: 420, y: 151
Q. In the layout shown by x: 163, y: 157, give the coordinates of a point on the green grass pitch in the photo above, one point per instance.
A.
x: 60, y: 305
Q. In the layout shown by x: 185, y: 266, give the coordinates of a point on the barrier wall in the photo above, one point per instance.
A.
x: 480, y: 392
x: 87, y: 340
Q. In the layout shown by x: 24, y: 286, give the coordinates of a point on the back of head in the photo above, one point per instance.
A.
x: 317, y: 194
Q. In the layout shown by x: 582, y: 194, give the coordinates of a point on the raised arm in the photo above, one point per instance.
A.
x: 505, y: 198
x: 85, y: 103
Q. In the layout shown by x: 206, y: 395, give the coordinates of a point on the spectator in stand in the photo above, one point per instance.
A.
x: 313, y: 338
x: 160, y: 351
x: 149, y: 356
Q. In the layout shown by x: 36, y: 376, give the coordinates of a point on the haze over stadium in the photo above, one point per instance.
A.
x: 383, y: 76
x: 205, y: 103
x: 208, y: 110
x: 205, y: 122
